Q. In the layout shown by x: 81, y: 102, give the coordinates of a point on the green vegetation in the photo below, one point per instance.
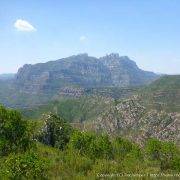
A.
x: 18, y: 158
x: 162, y: 94
x: 85, y: 108
x: 167, y: 82
x: 15, y: 133
x: 113, y: 92
x: 65, y: 153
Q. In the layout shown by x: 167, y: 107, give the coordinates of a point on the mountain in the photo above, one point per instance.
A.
x: 130, y: 118
x: 72, y: 76
x: 82, y: 71
x: 153, y: 111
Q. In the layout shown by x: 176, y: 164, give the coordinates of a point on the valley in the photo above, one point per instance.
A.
x: 90, y: 90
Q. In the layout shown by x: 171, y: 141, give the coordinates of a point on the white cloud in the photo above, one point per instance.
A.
x: 83, y: 38
x: 22, y: 25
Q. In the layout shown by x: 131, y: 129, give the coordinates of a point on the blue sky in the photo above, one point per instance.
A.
x: 148, y: 31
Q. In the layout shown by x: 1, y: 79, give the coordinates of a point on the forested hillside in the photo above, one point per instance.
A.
x: 138, y: 114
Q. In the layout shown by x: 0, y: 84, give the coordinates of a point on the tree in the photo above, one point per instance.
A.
x: 16, y: 134
x: 55, y: 132
x: 18, y: 159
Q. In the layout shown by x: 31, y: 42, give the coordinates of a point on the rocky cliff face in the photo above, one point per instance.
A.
x: 81, y: 70
x: 136, y: 122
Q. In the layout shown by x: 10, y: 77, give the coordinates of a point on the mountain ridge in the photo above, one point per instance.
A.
x: 84, y: 71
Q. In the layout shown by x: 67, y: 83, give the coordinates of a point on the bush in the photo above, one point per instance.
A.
x: 153, y: 149
x: 166, y: 153
x: 101, y: 147
x: 176, y: 163
x: 78, y: 163
x: 93, y: 146
x: 24, y: 166
x: 81, y: 141
x: 169, y: 156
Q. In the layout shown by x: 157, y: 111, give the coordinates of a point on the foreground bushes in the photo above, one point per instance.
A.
x: 91, y: 145
x: 166, y: 153
x: 69, y: 153
x: 18, y: 157
x: 27, y: 165
x: 16, y: 134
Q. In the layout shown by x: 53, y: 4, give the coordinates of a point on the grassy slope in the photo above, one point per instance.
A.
x: 72, y: 165
x: 72, y: 109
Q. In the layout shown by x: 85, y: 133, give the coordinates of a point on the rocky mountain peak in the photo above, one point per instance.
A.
x: 112, y: 56
x: 116, y: 60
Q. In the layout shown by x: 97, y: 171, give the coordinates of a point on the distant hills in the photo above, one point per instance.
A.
x: 163, y: 94
x: 7, y: 76
x: 149, y: 111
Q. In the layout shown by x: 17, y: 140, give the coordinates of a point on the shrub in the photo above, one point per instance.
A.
x: 101, y: 147
x: 78, y: 163
x: 176, y: 163
x: 24, y: 166
x: 81, y: 141
x: 121, y: 147
x: 98, y: 146
x: 169, y: 156
x: 153, y: 149
x: 166, y: 153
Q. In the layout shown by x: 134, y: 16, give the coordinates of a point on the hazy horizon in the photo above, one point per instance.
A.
x: 148, y: 32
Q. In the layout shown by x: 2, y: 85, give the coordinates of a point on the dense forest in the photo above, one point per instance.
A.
x: 52, y: 149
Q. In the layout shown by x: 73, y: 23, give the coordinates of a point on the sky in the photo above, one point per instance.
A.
x: 33, y: 31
